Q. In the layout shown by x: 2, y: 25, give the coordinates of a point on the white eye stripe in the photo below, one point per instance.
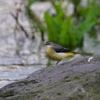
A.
x: 48, y: 46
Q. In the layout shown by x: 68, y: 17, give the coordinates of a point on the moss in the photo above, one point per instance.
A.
x: 66, y: 79
x: 28, y: 82
x: 33, y: 81
x: 45, y: 98
x: 36, y: 92
x: 59, y: 93
x: 76, y: 78
x: 7, y: 94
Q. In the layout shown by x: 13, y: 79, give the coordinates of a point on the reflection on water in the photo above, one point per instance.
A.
x: 13, y: 73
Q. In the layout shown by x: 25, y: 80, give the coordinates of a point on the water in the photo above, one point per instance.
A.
x: 13, y: 73
x: 19, y: 55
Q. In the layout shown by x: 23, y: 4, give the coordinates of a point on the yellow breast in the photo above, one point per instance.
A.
x: 57, y: 56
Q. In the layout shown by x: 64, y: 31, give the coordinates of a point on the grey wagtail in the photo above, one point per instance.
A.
x: 57, y: 52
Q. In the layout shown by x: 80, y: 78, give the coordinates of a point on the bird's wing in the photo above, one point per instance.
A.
x: 59, y: 48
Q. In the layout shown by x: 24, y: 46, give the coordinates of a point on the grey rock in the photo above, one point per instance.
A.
x: 78, y: 79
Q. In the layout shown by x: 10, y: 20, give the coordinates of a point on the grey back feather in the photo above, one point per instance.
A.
x: 59, y: 48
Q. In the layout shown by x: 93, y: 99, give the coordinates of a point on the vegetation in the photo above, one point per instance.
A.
x: 68, y: 30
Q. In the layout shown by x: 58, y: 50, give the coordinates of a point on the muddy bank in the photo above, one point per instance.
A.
x: 75, y: 80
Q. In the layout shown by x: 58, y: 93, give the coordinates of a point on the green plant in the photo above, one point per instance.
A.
x: 69, y: 33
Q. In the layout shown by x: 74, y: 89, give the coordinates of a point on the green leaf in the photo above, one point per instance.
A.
x: 57, y: 7
x: 51, y: 27
x: 30, y: 2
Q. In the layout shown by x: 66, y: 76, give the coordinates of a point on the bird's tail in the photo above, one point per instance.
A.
x: 83, y: 53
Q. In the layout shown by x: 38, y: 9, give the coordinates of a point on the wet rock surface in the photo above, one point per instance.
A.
x: 75, y: 80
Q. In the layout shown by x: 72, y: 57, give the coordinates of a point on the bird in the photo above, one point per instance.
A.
x: 57, y: 52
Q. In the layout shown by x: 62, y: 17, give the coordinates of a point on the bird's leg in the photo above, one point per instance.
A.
x: 57, y: 62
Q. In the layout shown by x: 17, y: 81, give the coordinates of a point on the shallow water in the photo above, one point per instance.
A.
x: 19, y: 55
x: 13, y: 73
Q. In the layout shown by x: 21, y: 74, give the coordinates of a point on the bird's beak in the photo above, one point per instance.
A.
x: 44, y: 43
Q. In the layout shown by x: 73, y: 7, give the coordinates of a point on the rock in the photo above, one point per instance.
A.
x: 39, y: 8
x: 75, y: 80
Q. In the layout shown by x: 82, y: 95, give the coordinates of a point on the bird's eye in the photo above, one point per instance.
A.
x: 47, y: 43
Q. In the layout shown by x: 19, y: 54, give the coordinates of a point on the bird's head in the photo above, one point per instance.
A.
x: 48, y: 44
